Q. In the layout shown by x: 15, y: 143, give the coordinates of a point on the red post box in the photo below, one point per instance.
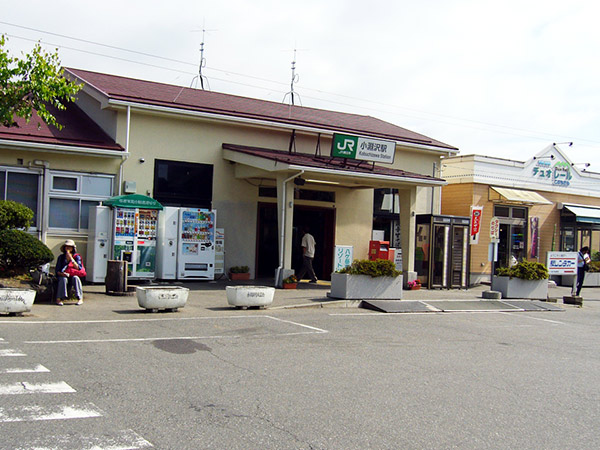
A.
x: 379, y: 250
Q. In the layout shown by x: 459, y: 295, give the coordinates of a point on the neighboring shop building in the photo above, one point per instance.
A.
x: 543, y: 204
x: 264, y: 167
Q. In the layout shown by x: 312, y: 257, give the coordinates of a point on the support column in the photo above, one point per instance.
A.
x: 285, y: 219
x: 408, y: 202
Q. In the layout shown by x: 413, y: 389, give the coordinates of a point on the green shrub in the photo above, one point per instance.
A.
x: 595, y: 256
x: 14, y: 215
x: 239, y: 269
x: 377, y: 268
x: 21, y: 252
x: 595, y: 266
x: 525, y: 270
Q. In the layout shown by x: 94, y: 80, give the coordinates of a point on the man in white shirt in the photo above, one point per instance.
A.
x: 308, y: 254
x: 583, y: 259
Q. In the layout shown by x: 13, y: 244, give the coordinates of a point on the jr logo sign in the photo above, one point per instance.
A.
x: 344, y: 146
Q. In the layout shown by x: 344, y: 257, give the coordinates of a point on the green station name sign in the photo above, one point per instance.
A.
x: 365, y: 149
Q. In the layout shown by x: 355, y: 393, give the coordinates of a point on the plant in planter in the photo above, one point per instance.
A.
x: 526, y: 279
x: 414, y: 285
x: 365, y: 279
x: 239, y: 273
x: 290, y: 282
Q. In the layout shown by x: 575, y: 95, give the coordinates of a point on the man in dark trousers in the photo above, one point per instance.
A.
x: 308, y: 254
x: 583, y: 259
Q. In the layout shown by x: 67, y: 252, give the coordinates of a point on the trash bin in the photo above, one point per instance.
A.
x: 116, y: 277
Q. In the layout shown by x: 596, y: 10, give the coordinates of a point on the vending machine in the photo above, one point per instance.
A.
x: 186, y: 244
x: 134, y: 240
x: 124, y: 228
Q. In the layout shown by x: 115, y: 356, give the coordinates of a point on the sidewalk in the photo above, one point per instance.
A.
x: 209, y: 299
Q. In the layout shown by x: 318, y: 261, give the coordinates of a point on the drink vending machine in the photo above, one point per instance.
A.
x: 126, y: 233
x: 186, y: 244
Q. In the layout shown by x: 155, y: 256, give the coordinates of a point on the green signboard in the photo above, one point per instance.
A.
x: 133, y: 201
x: 365, y: 149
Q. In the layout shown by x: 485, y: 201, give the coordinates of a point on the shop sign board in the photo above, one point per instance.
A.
x: 476, y: 213
x: 364, y: 149
x: 562, y: 263
x: 495, y: 229
x: 343, y: 257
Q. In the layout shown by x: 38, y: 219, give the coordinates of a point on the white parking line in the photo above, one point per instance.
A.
x: 35, y: 413
x: 534, y: 318
x: 37, y: 369
x: 11, y: 352
x: 31, y: 388
x: 311, y: 330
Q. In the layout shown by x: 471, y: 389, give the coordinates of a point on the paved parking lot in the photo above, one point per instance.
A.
x: 108, y: 375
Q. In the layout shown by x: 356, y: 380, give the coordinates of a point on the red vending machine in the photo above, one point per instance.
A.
x: 379, y: 250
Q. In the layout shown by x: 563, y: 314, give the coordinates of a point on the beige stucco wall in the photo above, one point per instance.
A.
x: 192, y: 140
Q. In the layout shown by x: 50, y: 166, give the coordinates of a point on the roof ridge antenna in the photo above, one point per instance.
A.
x: 295, y: 79
x: 202, y: 64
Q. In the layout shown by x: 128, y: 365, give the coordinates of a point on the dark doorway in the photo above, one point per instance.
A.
x: 321, y: 222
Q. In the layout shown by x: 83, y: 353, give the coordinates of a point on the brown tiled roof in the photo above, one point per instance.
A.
x: 78, y: 130
x: 327, y: 162
x: 159, y: 94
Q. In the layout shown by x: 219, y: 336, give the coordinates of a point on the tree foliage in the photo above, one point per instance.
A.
x: 32, y: 83
x: 14, y: 215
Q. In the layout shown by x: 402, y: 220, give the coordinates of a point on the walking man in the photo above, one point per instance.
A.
x: 583, y: 259
x: 308, y: 254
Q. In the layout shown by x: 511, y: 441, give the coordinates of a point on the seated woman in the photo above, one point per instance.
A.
x: 68, y: 266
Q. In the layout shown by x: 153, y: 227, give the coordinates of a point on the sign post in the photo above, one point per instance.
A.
x: 494, y: 239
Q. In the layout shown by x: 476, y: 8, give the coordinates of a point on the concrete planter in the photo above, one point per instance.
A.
x: 154, y: 298
x: 518, y: 288
x: 592, y: 279
x: 247, y: 296
x: 16, y: 300
x: 359, y: 287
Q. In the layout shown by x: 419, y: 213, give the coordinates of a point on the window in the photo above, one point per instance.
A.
x: 21, y: 186
x: 178, y: 183
x: 72, y: 194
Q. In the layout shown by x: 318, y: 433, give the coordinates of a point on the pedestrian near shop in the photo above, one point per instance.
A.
x: 308, y: 254
x: 583, y: 261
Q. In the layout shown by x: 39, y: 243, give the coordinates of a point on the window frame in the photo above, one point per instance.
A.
x: 30, y: 171
x: 77, y: 195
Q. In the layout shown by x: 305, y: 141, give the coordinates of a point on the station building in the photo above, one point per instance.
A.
x: 265, y: 167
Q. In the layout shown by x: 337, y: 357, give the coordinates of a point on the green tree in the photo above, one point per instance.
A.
x: 32, y: 83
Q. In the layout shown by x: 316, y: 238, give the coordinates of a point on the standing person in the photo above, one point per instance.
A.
x: 583, y: 259
x: 308, y: 254
x: 68, y: 265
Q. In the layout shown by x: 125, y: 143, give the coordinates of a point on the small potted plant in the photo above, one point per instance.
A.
x: 290, y: 282
x: 414, y: 285
x: 239, y: 273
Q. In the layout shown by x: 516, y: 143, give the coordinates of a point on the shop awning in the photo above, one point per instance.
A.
x: 517, y: 196
x: 133, y: 201
x: 584, y: 214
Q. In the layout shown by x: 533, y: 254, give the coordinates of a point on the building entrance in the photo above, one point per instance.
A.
x: 321, y: 222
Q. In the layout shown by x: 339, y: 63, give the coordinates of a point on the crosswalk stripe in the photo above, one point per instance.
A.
x: 11, y: 352
x: 37, y: 369
x: 39, y: 388
x: 35, y: 412
x: 120, y: 440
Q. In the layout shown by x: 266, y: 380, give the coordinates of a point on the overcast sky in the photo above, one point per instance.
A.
x: 492, y: 78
